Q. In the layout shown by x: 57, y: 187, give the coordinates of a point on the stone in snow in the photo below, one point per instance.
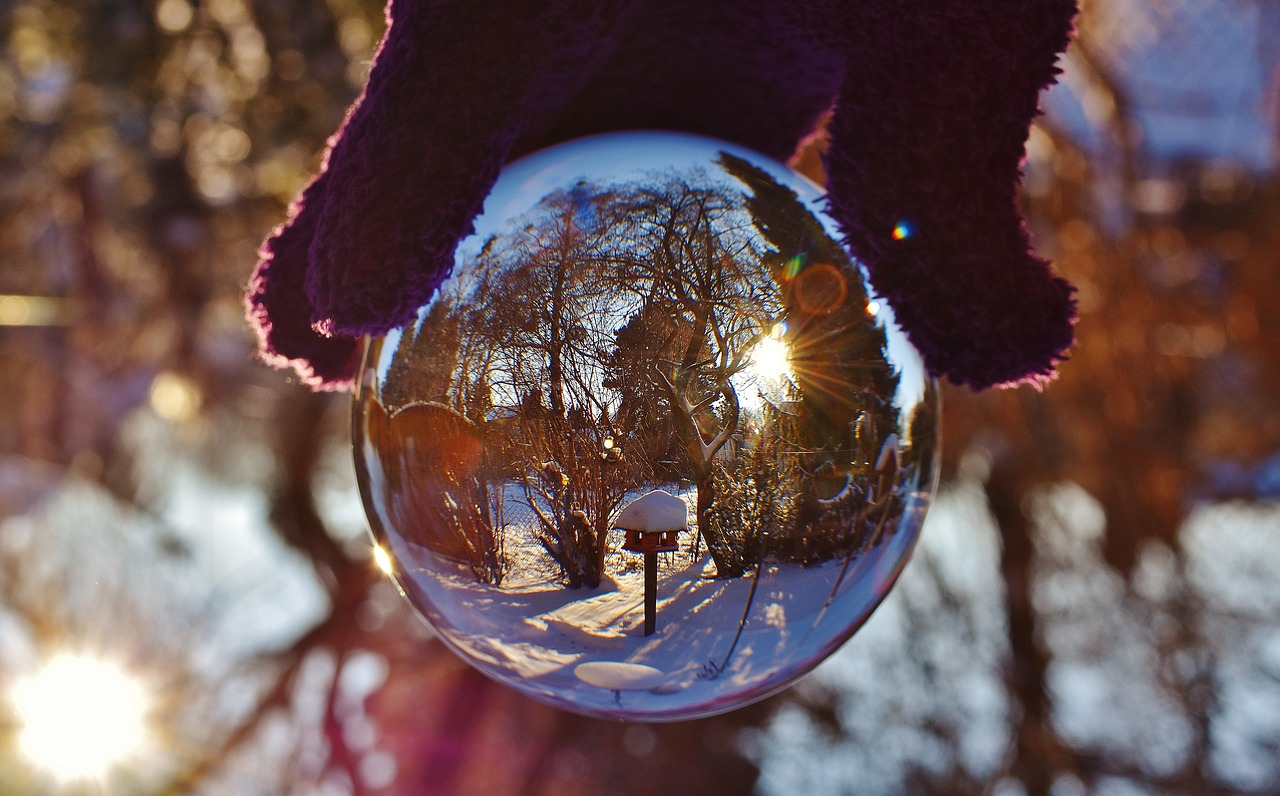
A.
x: 656, y: 511
x: 619, y: 676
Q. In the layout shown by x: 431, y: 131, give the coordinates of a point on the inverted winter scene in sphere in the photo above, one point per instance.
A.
x: 652, y: 451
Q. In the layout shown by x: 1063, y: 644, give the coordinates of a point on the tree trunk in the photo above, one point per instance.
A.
x: 1036, y: 745
x: 555, y: 346
x: 701, y: 461
x: 726, y: 566
x: 602, y: 541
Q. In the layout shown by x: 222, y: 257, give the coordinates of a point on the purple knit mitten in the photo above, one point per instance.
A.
x: 932, y: 98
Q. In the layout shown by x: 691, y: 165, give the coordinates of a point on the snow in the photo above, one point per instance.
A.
x: 653, y: 512
x: 890, y: 448
x: 24, y: 484
x: 715, y: 648
x: 618, y: 676
x: 840, y: 497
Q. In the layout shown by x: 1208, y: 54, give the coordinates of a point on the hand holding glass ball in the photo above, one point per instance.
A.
x: 651, y: 452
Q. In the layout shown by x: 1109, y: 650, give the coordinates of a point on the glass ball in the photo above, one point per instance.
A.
x: 652, y: 451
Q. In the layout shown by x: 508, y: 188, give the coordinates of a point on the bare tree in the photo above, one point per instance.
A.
x: 694, y: 250
x: 543, y: 325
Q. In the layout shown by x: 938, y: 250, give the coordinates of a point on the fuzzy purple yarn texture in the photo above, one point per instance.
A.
x: 932, y: 102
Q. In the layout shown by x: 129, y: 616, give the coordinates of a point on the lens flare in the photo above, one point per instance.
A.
x: 80, y: 716
x: 820, y: 289
x: 383, y: 560
x: 771, y: 357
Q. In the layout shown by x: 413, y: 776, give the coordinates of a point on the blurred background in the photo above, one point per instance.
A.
x: 185, y: 574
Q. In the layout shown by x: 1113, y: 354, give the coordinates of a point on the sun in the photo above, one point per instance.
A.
x: 80, y: 716
x: 771, y: 357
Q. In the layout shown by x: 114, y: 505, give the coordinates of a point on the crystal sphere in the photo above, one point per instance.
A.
x: 652, y: 451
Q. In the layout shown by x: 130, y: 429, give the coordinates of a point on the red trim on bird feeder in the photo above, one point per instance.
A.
x: 651, y: 541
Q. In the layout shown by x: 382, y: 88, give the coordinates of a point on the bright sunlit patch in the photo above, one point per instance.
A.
x: 771, y: 358
x: 381, y: 558
x: 80, y: 716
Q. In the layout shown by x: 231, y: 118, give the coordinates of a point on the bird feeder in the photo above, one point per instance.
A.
x: 652, y: 523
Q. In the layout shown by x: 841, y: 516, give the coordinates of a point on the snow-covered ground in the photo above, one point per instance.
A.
x: 550, y: 641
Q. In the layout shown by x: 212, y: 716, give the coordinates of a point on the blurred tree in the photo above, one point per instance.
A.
x: 1114, y: 633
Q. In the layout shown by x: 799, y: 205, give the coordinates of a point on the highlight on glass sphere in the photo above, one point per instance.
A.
x: 652, y: 451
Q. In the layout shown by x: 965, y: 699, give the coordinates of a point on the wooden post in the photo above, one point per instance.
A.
x: 652, y: 522
x: 650, y: 592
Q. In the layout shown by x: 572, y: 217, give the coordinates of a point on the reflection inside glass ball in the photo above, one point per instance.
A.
x: 652, y: 451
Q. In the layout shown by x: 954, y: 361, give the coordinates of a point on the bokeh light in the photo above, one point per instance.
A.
x: 80, y: 716
x: 174, y: 397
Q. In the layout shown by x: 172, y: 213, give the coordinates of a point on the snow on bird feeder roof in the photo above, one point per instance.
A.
x: 653, y: 513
